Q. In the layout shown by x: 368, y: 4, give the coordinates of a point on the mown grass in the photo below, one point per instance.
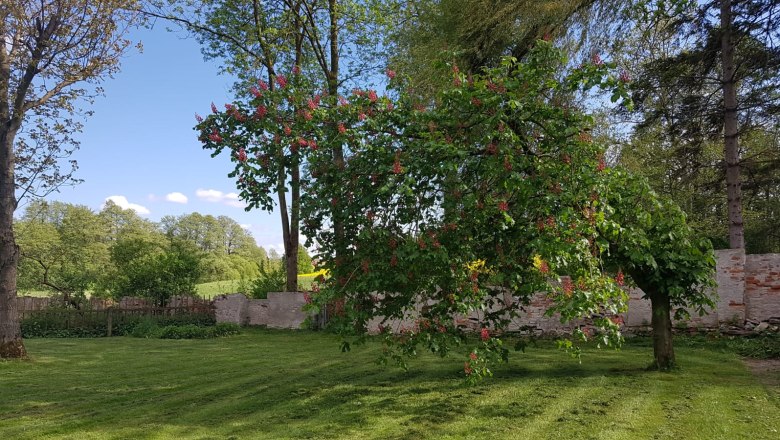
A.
x: 276, y: 385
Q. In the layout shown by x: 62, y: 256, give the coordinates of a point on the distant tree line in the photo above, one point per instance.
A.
x: 70, y: 250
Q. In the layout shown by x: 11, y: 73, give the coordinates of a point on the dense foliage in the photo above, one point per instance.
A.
x: 70, y: 251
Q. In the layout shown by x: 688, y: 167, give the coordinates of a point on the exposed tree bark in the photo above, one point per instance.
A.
x: 661, y: 321
x: 731, y: 129
x: 333, y: 90
x: 11, y: 345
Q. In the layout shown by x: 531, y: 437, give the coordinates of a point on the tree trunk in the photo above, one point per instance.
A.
x: 11, y: 345
x: 333, y: 90
x: 731, y: 129
x: 663, y: 351
x: 291, y: 246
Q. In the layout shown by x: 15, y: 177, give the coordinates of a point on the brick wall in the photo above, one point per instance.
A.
x: 762, y: 286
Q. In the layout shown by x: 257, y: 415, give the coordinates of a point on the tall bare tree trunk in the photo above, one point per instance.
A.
x: 731, y: 128
x: 11, y: 345
x: 333, y: 90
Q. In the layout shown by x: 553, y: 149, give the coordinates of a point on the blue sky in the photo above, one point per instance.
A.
x: 139, y: 147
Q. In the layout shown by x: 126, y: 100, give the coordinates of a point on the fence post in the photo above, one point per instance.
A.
x: 110, y: 321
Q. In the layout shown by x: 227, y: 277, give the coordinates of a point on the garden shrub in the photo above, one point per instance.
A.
x: 271, y: 279
x: 761, y: 347
x: 151, y: 330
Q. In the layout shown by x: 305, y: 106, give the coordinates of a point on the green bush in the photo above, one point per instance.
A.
x: 150, y: 329
x: 761, y: 347
x: 160, y: 275
x: 70, y: 323
x: 271, y: 279
x: 63, y: 323
x: 226, y: 329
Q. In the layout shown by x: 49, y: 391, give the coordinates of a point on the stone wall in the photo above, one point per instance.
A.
x: 748, y: 289
x: 281, y: 310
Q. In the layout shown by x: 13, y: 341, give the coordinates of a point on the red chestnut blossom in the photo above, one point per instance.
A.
x: 568, y: 286
x: 342, y: 128
x: 362, y: 116
x: 597, y: 59
x: 624, y: 77
x: 214, y: 108
x: 473, y: 356
x: 397, y: 166
x: 620, y: 278
x: 476, y: 101
x: 507, y: 164
x: 241, y: 155
x: 296, y: 70
x: 312, y: 104
x: 255, y: 92
x: 393, y: 261
x: 491, y: 148
x: 602, y: 164
x: 503, y: 206
x: 281, y: 81
x: 287, y: 130
x: 261, y: 111
x: 343, y: 100
x: 263, y: 85
x: 390, y: 73
x: 484, y: 334
x: 198, y: 118
x: 215, y: 137
x: 372, y: 96
x: 544, y: 267
x: 307, y: 298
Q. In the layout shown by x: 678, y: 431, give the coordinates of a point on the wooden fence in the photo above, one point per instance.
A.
x: 114, y: 319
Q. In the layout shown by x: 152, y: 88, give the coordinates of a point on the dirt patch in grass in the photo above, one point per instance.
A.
x: 768, y: 372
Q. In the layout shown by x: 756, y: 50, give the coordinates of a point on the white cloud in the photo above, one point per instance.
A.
x: 246, y: 226
x: 212, y: 195
x: 123, y: 203
x: 279, y: 248
x: 176, y: 197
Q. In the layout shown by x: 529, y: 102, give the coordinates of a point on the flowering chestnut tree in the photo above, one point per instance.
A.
x: 268, y: 137
x: 471, y: 204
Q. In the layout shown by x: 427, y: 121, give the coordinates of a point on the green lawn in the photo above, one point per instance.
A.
x: 268, y: 385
